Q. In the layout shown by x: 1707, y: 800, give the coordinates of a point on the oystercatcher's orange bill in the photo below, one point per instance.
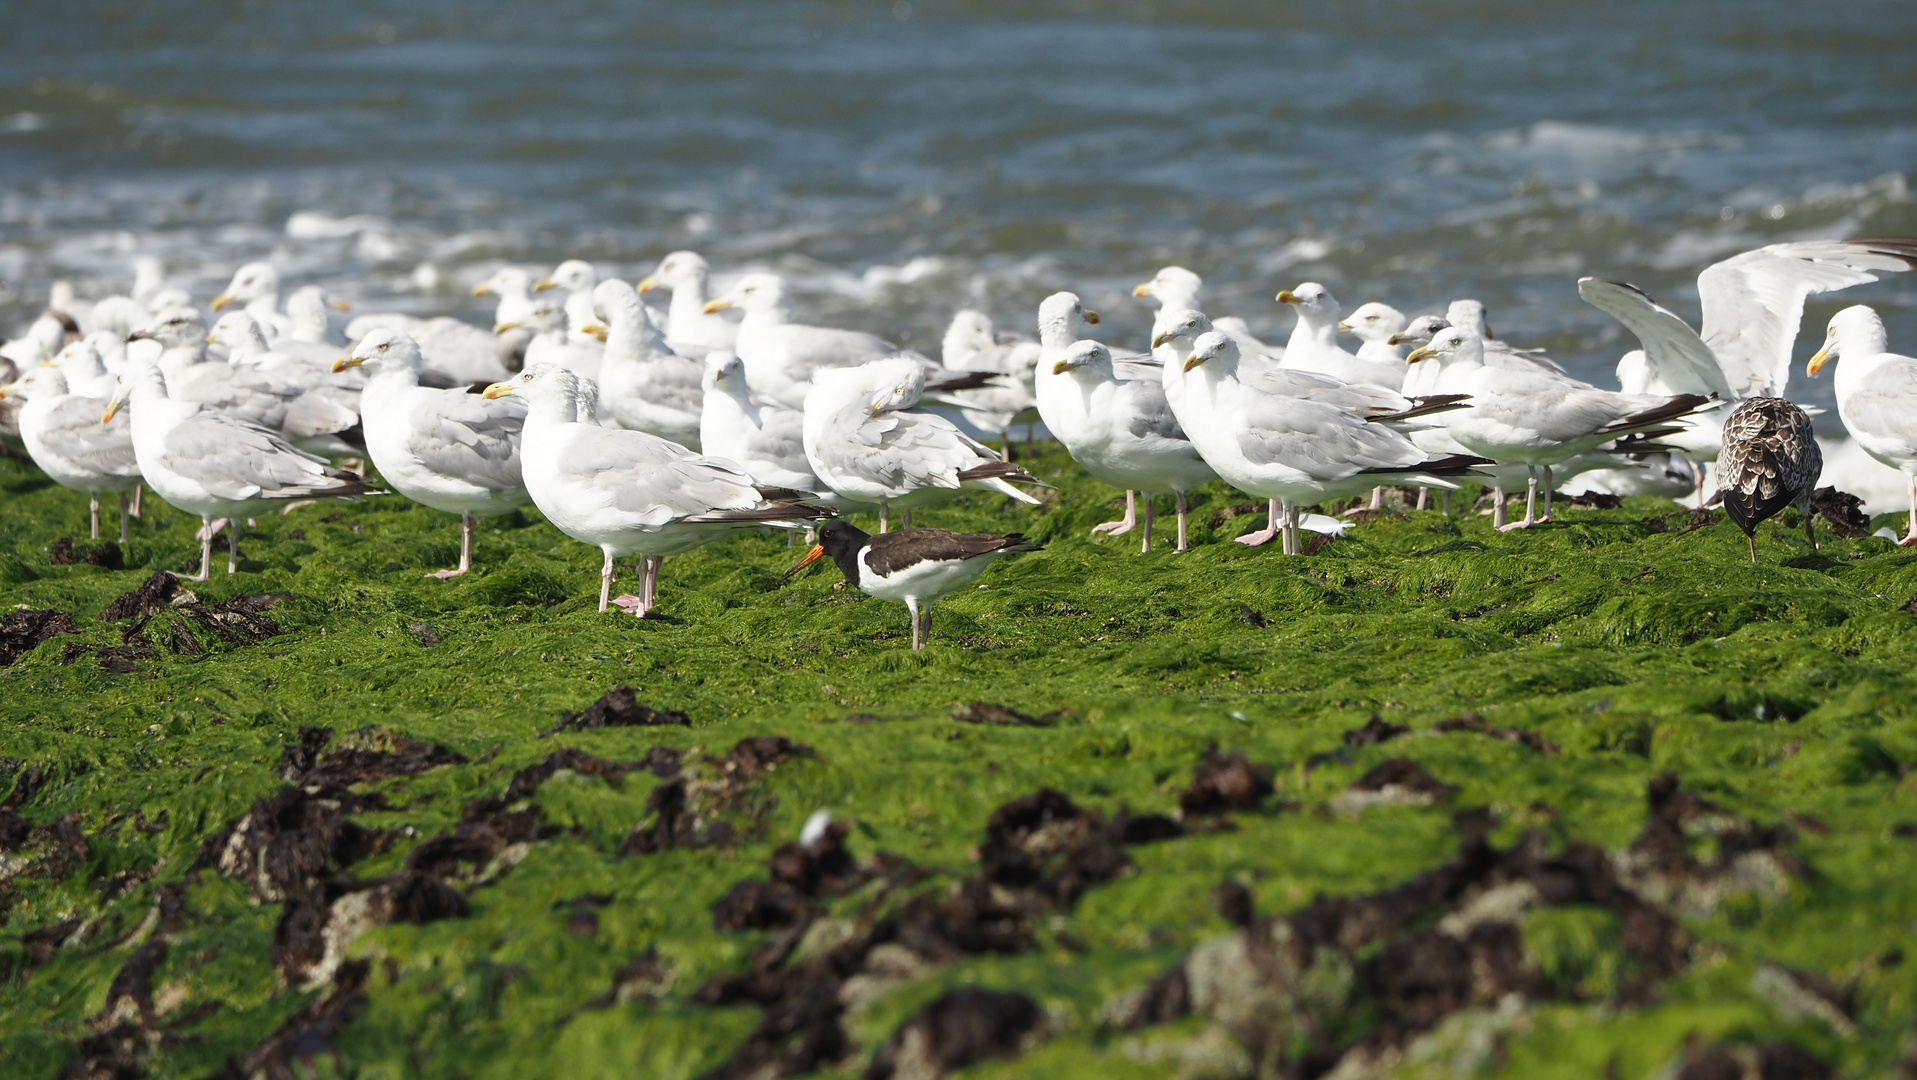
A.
x: 810, y: 558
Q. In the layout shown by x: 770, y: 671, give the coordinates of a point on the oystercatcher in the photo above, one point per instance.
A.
x: 917, y: 566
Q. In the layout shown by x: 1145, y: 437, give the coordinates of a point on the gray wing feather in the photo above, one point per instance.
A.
x: 654, y: 480
x: 465, y: 435
x: 73, y: 428
x: 236, y: 459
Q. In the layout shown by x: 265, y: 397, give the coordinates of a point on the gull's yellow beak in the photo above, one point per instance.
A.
x: 1817, y: 362
x: 1344, y: 327
x: 1160, y: 339
x: 498, y: 390
x: 1091, y: 316
x: 345, y: 362
x: 810, y: 558
x: 112, y: 410
x: 9, y: 390
x: 1062, y: 367
x: 647, y: 283
x: 482, y: 289
x: 1144, y: 289
x: 542, y: 284
x: 1395, y: 339
x: 1419, y: 354
x: 596, y: 329
x: 500, y: 328
x: 1196, y: 359
x: 1286, y: 296
x: 211, y: 340
x: 337, y: 304
x: 716, y: 305
x: 222, y: 301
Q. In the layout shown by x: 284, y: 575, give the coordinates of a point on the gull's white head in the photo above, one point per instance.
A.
x: 725, y: 372
x: 1373, y: 322
x: 120, y: 315
x: 676, y: 271
x: 241, y: 335
x: 1468, y: 315
x: 40, y: 381
x: 573, y: 275
x: 1856, y: 331
x: 1450, y: 345
x: 549, y: 388
x: 176, y: 328
x: 1173, y: 287
x: 896, y: 382
x: 307, y: 307
x: 383, y: 350
x: 1188, y: 323
x: 80, y: 358
x: 968, y: 334
x: 753, y: 293
x: 507, y: 281
x: 542, y: 317
x: 1061, y: 318
x: 1088, y: 356
x: 1419, y: 331
x: 254, y: 281
x: 1215, y: 351
x: 1313, y: 301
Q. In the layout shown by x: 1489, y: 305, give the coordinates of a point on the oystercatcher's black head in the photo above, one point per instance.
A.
x: 843, y: 541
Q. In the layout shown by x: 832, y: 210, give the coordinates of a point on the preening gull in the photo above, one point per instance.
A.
x: 1876, y: 395
x: 689, y: 326
x: 64, y: 435
x: 447, y: 449
x: 644, y: 385
x: 215, y: 465
x: 1770, y: 460
x: 781, y: 356
x: 1534, y: 417
x: 1314, y: 342
x: 1121, y: 430
x: 864, y: 442
x: 627, y: 492
x: 914, y: 566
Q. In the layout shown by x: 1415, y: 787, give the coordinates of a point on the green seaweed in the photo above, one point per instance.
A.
x: 1626, y: 643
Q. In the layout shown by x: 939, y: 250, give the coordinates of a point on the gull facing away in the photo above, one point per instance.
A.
x: 865, y: 442
x: 66, y: 439
x: 1292, y: 449
x: 1876, y: 395
x: 691, y: 328
x: 781, y: 356
x: 644, y: 385
x: 447, y: 449
x: 766, y: 440
x: 1121, y: 430
x: 1534, y: 417
x: 1771, y: 460
x: 627, y: 492
x: 215, y: 465
x: 916, y: 566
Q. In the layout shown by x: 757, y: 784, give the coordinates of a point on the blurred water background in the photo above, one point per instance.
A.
x: 899, y: 160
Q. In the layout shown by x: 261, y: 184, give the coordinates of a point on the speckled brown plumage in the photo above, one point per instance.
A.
x: 1770, y: 460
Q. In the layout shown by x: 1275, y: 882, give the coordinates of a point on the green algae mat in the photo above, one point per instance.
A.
x: 1597, y: 799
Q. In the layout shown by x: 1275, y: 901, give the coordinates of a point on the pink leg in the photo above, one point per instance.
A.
x: 605, y: 582
x: 1530, y: 503
x: 1377, y: 497
x: 1546, y: 516
x: 465, y: 551
x: 1124, y: 524
x: 1264, y: 535
x: 885, y: 516
x: 206, y: 551
x: 1424, y: 498
x: 138, y: 490
x: 1147, y: 545
x: 1910, y: 534
x: 913, y: 607
x: 93, y: 513
x: 1497, y: 507
x: 1182, y: 512
x: 122, y: 517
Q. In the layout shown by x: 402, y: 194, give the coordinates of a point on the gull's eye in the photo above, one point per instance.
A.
x: 382, y: 346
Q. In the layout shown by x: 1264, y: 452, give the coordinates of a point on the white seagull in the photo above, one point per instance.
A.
x: 689, y: 326
x: 66, y: 439
x: 1121, y: 430
x: 644, y: 385
x: 627, y: 492
x: 1876, y: 395
x: 864, y: 442
x: 577, y: 278
x: 256, y: 288
x: 215, y: 465
x: 447, y: 449
x: 781, y: 356
x: 766, y: 440
x: 1314, y: 342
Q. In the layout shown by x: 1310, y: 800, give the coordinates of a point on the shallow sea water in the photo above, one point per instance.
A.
x: 899, y: 160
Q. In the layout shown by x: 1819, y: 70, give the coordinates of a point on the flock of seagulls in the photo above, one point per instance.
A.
x: 649, y: 433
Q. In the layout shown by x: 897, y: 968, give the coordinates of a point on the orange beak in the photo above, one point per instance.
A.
x: 1286, y: 296
x: 810, y: 558
x: 716, y: 305
x: 1142, y: 290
